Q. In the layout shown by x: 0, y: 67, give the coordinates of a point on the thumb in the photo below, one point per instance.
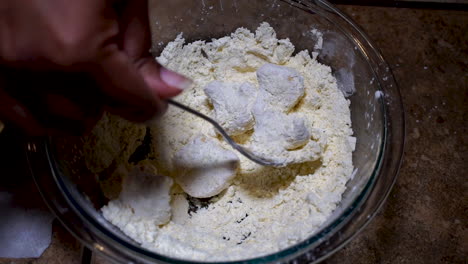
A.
x: 135, y: 89
x: 162, y: 80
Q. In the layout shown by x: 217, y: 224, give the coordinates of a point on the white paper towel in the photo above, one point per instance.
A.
x: 24, y: 232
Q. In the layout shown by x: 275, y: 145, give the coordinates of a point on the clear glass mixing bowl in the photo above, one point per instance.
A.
x: 377, y: 120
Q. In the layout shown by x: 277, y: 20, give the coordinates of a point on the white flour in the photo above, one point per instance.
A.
x: 263, y: 209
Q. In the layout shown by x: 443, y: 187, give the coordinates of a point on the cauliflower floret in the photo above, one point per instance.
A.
x: 232, y: 104
x: 204, y: 167
x: 282, y: 138
x: 147, y: 193
x: 280, y: 87
x: 279, y: 136
x: 295, y: 133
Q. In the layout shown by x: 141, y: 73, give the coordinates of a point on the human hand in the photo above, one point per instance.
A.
x: 62, y: 62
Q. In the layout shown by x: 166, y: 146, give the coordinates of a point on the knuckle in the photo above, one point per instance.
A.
x: 71, y: 49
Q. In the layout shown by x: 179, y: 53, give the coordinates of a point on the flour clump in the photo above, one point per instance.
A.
x: 274, y: 100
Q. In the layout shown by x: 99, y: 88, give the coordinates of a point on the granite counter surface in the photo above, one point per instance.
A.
x: 426, y: 216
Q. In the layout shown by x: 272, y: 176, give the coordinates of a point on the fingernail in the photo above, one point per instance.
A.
x: 174, y: 79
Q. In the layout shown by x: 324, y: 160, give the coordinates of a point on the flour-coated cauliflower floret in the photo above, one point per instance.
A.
x: 280, y: 86
x: 204, y: 167
x: 296, y: 133
x: 144, y: 200
x: 232, y: 104
x: 147, y: 193
x: 285, y: 132
x: 282, y: 138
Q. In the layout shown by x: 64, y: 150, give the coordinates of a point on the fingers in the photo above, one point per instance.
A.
x: 14, y: 112
x: 135, y: 32
x: 128, y: 93
x: 56, y: 102
x: 136, y: 43
x: 60, y: 106
x: 162, y: 81
x: 60, y: 117
x: 67, y: 117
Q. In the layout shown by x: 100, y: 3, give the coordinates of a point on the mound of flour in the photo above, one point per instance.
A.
x: 261, y: 210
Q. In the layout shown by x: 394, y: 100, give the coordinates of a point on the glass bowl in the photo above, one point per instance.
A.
x: 74, y: 195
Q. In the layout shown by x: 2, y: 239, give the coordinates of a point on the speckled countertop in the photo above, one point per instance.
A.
x: 426, y: 216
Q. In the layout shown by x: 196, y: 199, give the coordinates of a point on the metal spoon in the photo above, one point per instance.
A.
x: 247, y: 153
